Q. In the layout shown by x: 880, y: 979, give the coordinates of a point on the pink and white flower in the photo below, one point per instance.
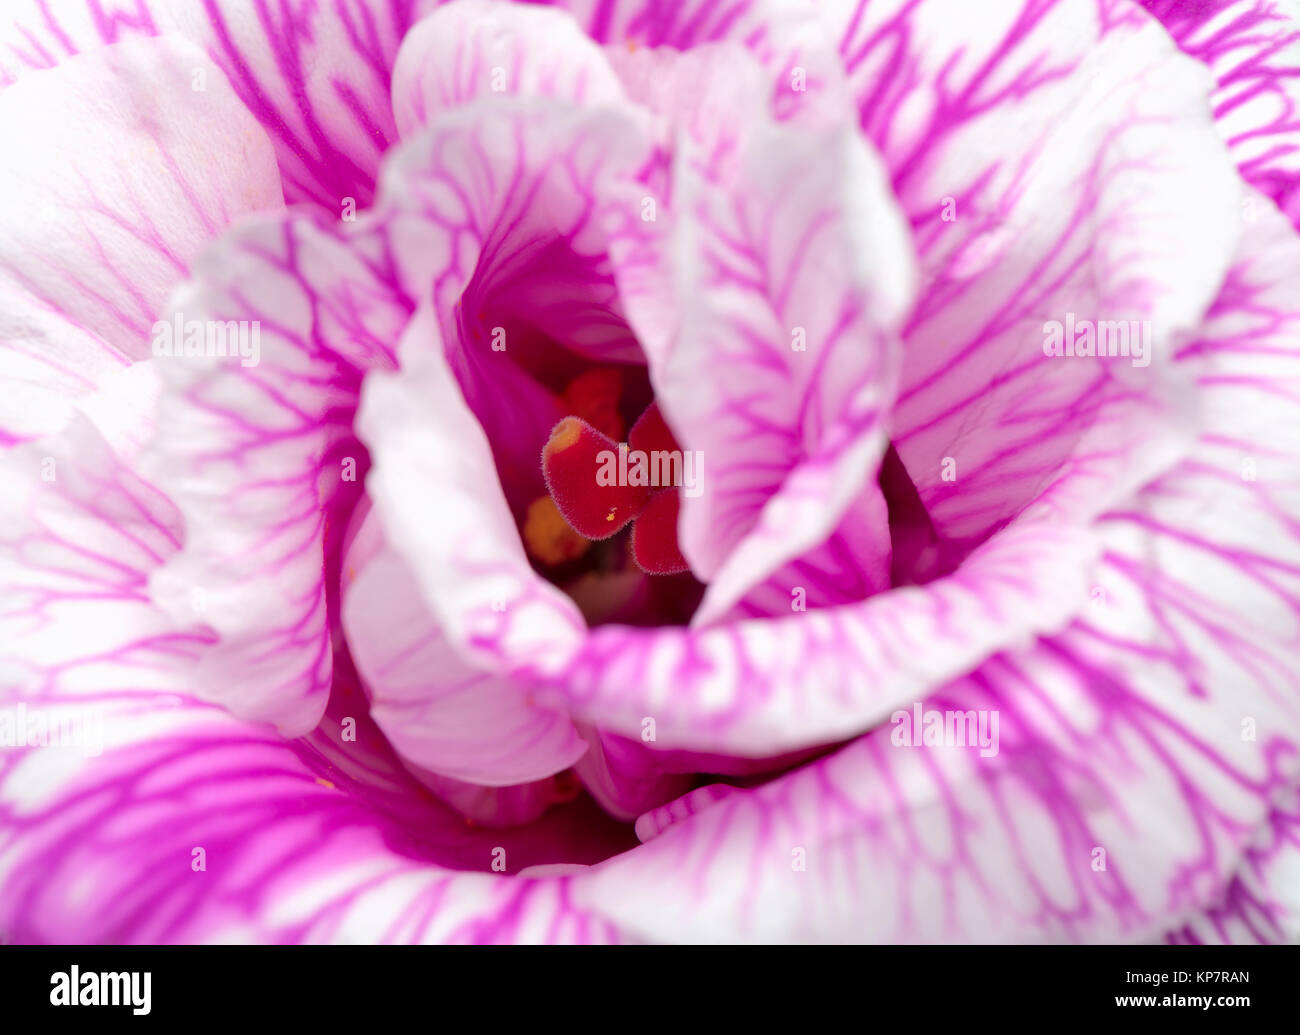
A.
x: 377, y: 661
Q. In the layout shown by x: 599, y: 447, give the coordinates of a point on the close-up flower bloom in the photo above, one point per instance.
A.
x: 697, y: 471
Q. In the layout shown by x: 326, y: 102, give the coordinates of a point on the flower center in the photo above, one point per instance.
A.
x: 597, y: 485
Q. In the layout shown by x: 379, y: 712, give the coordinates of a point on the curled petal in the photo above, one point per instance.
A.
x: 1145, y: 759
x: 434, y: 490
x: 474, y: 48
x: 1253, y: 49
x: 255, y: 445
x: 439, y: 713
x: 190, y: 825
x: 1080, y: 223
x: 793, y: 278
x: 760, y: 687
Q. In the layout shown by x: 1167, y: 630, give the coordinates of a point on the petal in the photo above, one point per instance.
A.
x: 1105, y: 114
x: 547, y: 281
x: 440, y: 713
x: 783, y: 35
x: 1260, y: 904
x: 442, y: 510
x: 853, y: 563
x: 258, y: 452
x: 124, y: 173
x: 1147, y: 759
x: 81, y: 532
x: 174, y: 822
x: 791, y: 278
x: 1253, y: 49
x: 487, y: 198
x: 316, y: 76
x: 33, y: 39
x: 474, y: 48
x: 678, y: 25
x: 760, y: 687
x: 650, y: 46
x: 494, y: 215
x: 626, y: 777
x: 310, y: 841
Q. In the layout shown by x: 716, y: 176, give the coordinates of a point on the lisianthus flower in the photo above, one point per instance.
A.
x: 615, y: 471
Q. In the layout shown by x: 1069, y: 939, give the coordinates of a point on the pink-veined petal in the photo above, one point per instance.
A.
x: 438, y: 712
x: 1261, y: 904
x: 851, y: 564
x: 766, y: 299
x: 469, y: 49
x: 315, y: 75
x: 435, y: 492
x: 255, y: 445
x: 761, y: 687
x: 766, y: 26
x: 626, y: 777
x: 258, y: 450
x: 496, y: 210
x: 1253, y: 49
x: 1146, y: 759
x: 1108, y: 200
x: 160, y: 818
x: 123, y: 172
x: 493, y: 215
x: 521, y: 252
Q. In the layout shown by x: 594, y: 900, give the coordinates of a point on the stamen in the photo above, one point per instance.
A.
x: 581, y: 467
x: 651, y: 433
x: 588, y: 475
x: 548, y: 537
x: 654, y: 536
x: 594, y: 396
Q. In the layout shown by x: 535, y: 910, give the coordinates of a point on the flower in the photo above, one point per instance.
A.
x: 650, y: 472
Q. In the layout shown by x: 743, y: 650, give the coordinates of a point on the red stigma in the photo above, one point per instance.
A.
x: 576, y: 460
x: 587, y: 475
x: 654, y: 536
